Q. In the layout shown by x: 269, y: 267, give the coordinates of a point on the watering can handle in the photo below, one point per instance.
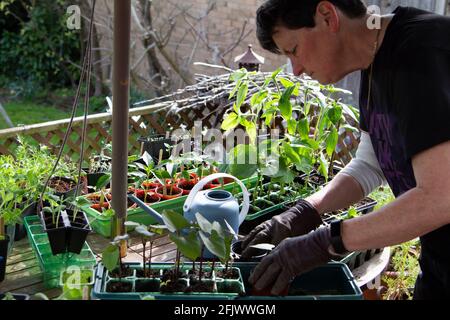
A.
x: 202, y: 183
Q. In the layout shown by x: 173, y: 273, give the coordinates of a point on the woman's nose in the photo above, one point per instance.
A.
x: 297, y: 68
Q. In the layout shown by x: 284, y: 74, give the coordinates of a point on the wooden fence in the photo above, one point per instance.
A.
x: 143, y: 121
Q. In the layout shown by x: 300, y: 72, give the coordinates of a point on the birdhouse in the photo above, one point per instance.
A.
x: 249, y: 60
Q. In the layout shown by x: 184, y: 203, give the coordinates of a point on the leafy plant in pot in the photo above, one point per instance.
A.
x: 187, y: 181
x: 311, y: 119
x: 79, y: 225
x: 24, y: 175
x: 55, y: 222
x: 191, y: 239
x: 99, y: 165
x: 167, y: 179
x: 62, y: 186
x: 218, y: 240
x: 10, y: 215
x: 145, y: 167
x: 100, y: 199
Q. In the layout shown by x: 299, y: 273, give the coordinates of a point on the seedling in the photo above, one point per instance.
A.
x: 184, y: 236
x: 147, y: 234
x: 56, y: 206
x: 111, y: 255
x: 217, y: 238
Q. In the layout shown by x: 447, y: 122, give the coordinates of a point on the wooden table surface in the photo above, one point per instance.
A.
x: 23, y: 274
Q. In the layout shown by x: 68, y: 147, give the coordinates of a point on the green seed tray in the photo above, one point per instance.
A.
x: 102, y: 224
x: 333, y: 281
x: 330, y: 282
x: 103, y: 279
x: 53, y: 265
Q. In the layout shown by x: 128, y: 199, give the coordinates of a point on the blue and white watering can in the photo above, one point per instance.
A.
x: 217, y: 205
x: 213, y: 205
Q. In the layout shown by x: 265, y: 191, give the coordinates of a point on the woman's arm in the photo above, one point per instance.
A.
x: 418, y: 212
x: 356, y: 181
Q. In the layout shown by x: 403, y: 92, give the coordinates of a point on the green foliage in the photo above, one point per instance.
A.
x: 8, y: 296
x: 37, y: 55
x: 189, y: 245
x: 216, y: 238
x: 383, y: 196
x: 22, y: 179
x: 243, y: 161
x: 404, y: 262
x: 174, y: 221
x: 311, y: 133
x: 110, y: 257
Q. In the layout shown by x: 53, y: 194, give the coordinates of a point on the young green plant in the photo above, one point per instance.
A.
x: 216, y: 238
x: 111, y: 257
x: 184, y: 235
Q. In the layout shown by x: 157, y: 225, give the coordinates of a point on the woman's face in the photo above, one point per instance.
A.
x: 314, y: 51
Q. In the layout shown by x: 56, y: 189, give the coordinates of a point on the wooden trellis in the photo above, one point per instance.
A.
x: 143, y: 121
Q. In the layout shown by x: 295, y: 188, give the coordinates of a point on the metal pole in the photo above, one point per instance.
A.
x: 121, y: 88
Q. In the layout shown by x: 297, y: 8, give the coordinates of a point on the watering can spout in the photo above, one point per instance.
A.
x: 146, y: 208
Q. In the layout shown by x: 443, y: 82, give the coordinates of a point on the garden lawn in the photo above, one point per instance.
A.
x: 27, y: 112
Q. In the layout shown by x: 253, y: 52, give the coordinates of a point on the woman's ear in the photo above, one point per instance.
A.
x: 327, y: 15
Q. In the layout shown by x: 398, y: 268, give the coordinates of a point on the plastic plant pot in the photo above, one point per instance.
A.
x: 146, y: 195
x: 21, y: 233
x: 176, y: 192
x: 236, y: 252
x: 333, y: 281
x: 78, y: 232
x: 95, y: 200
x: 147, y: 285
x: 186, y: 185
x: 2, y: 268
x: 99, y: 208
x: 151, y: 198
x: 150, y: 185
x: 4, y: 245
x: 57, y: 235
x: 52, y: 265
x: 56, y: 182
x: 154, y: 144
x: 230, y: 286
x: 192, y: 177
x: 119, y: 286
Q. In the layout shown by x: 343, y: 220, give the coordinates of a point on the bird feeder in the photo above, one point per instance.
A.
x: 250, y: 60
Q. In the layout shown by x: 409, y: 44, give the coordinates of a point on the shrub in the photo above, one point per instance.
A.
x: 35, y: 57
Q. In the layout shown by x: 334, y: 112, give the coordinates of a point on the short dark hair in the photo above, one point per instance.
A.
x: 296, y: 14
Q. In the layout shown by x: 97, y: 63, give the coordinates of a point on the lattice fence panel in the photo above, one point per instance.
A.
x: 143, y: 122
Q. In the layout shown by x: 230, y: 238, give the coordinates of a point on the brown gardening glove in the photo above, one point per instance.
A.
x: 299, y: 220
